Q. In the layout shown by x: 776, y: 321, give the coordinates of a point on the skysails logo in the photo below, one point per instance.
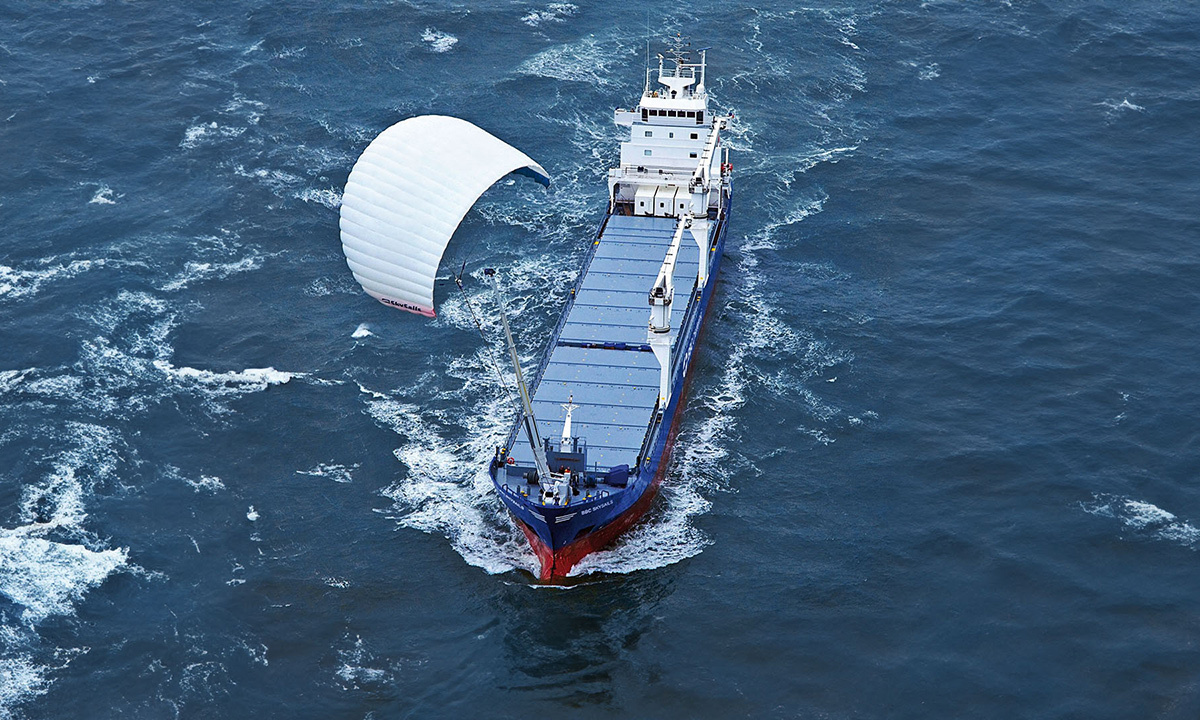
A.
x: 420, y: 310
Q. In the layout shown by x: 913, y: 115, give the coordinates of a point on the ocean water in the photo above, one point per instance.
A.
x: 941, y: 456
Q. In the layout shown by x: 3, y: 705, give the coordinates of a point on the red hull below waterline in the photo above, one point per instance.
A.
x: 556, y: 565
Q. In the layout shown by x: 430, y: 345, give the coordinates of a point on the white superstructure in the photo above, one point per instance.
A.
x: 673, y: 162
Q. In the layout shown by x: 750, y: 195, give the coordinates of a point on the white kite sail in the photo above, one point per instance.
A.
x: 406, y: 196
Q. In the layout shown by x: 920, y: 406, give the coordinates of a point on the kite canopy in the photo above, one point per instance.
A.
x: 406, y: 196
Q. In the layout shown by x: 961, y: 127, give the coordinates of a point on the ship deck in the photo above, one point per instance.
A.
x: 600, y: 356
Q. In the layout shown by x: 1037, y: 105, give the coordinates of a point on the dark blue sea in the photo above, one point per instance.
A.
x: 942, y: 449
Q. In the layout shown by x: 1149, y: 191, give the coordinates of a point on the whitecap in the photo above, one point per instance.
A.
x: 1144, y: 517
x: 765, y: 238
x: 1115, y: 108
x: 196, y: 135
x: 363, y: 330
x: 447, y: 490
x: 204, y: 483
x: 438, y: 41
x: 355, y: 666
x: 288, y: 52
x: 203, y: 681
x: 18, y: 283
x: 332, y: 471
x: 340, y: 284
x: 554, y: 12
x: 58, y: 500
x: 11, y: 379
x: 47, y: 578
x: 21, y: 680
x: 328, y: 197
x: 198, y: 271
x: 277, y: 181
x: 233, y: 382
x: 104, y: 196
x: 252, y: 514
x: 587, y: 61
x: 658, y: 541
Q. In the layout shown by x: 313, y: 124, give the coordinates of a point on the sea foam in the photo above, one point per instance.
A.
x: 1144, y: 518
x: 554, y: 12
x: 47, y: 578
x: 438, y: 41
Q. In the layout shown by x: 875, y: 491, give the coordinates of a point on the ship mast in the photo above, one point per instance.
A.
x: 527, y: 418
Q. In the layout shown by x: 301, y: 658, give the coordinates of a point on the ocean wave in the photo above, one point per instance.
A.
x: 589, y: 60
x: 1115, y: 108
x: 1143, y: 518
x: 196, y: 135
x: 11, y: 379
x: 204, y: 483
x: 328, y: 197
x: 125, y: 375
x: 104, y: 196
x: 438, y: 41
x: 662, y: 539
x: 289, y: 185
x: 246, y: 108
x: 356, y: 666
x: 204, y: 681
x: 200, y: 271
x: 57, y: 502
x: 287, y: 52
x: 554, y: 12
x: 21, y: 680
x: 332, y: 471
x: 280, y: 182
x: 234, y: 382
x: 47, y: 578
x: 447, y: 490
x: 340, y: 284
x: 19, y: 283
x: 765, y: 239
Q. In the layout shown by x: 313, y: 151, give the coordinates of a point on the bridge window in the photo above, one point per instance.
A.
x: 670, y: 135
x: 700, y: 118
x: 695, y: 136
x: 649, y: 133
x: 648, y: 152
x: 670, y: 113
x: 691, y: 155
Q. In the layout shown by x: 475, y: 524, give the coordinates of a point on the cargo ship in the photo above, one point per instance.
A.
x: 597, y: 417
